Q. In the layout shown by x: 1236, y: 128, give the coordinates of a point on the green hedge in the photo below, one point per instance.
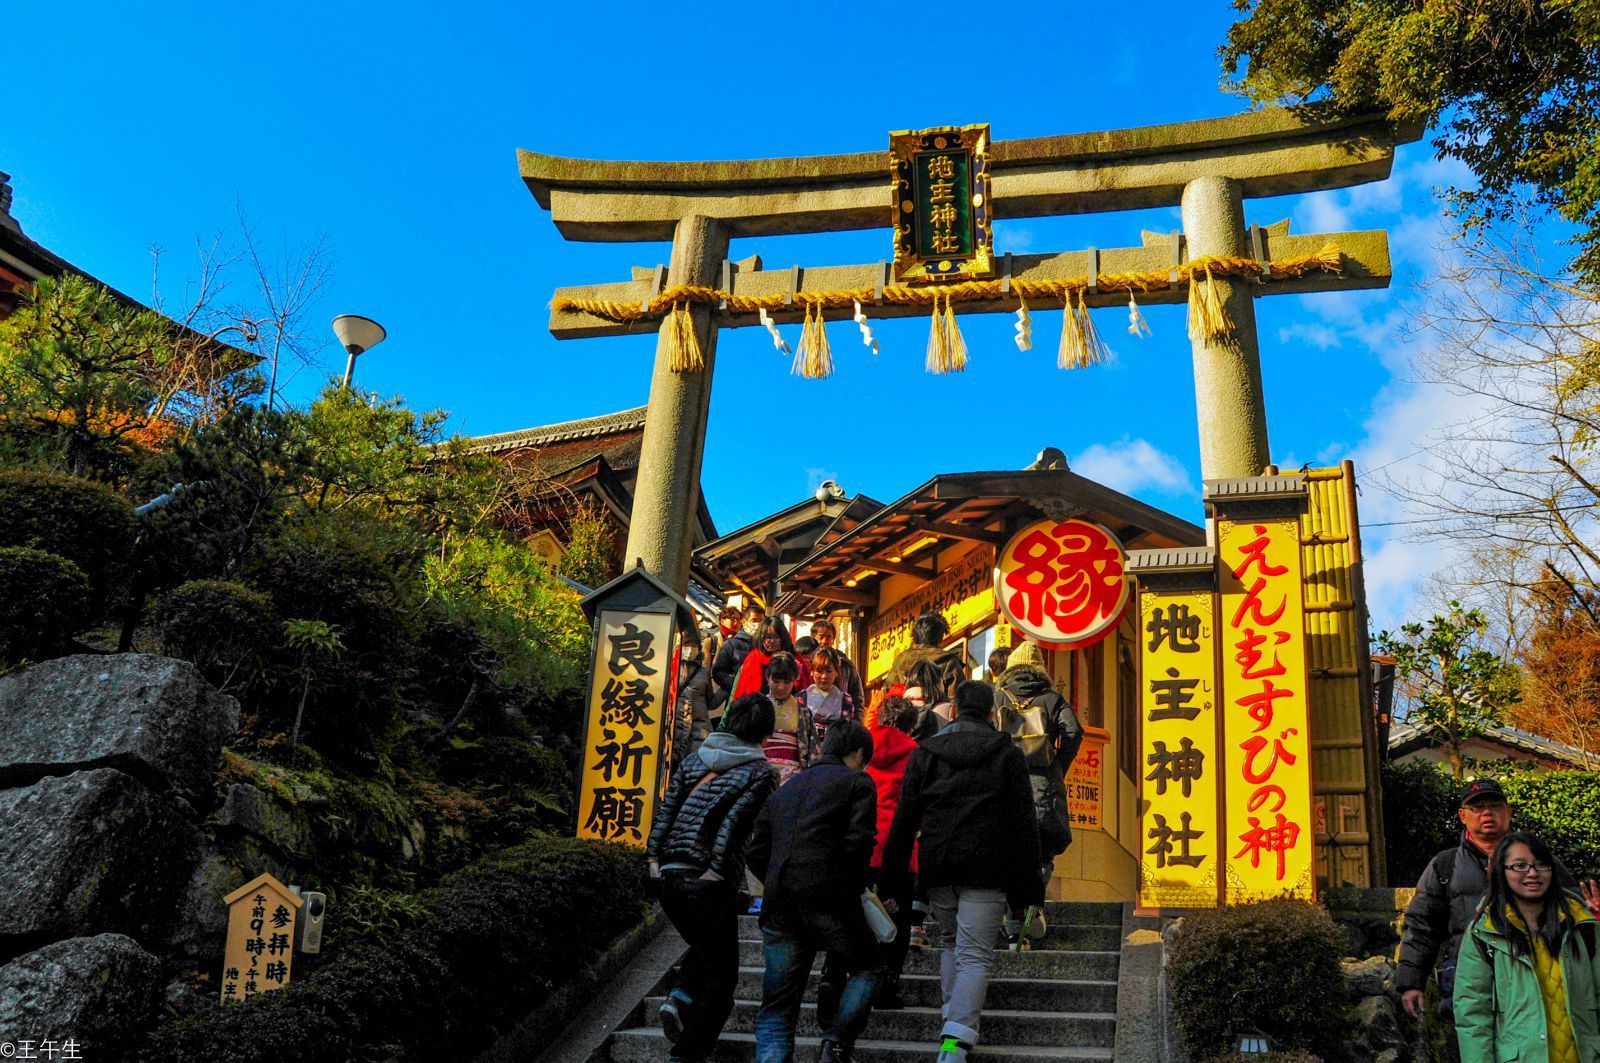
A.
x: 1419, y: 815
x: 45, y: 603
x: 495, y: 938
x: 223, y: 628
x: 87, y: 523
x: 1272, y: 966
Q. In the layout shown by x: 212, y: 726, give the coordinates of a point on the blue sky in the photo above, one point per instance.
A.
x: 392, y: 132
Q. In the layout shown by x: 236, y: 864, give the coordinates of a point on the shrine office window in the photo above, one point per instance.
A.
x: 1128, y: 701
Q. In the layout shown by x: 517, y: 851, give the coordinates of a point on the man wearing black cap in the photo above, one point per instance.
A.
x: 1447, y: 901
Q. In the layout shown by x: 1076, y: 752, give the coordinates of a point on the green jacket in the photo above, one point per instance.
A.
x: 1499, y: 1009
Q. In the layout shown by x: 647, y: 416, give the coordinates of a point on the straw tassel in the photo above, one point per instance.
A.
x: 813, y: 359
x: 952, y: 331
x: 683, y: 348
x: 947, y: 351
x: 1208, y: 314
x: 1081, y: 345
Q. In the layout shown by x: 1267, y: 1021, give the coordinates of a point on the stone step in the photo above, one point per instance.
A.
x: 1000, y: 1026
x: 1078, y: 963
x: 1082, y: 913
x: 1018, y: 994
x: 1066, y: 937
x: 649, y: 1045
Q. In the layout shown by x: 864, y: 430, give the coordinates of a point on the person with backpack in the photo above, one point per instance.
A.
x: 967, y: 806
x: 1042, y: 724
x: 1528, y: 981
x: 696, y: 854
x: 946, y: 667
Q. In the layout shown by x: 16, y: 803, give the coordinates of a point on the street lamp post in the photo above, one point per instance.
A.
x: 356, y: 334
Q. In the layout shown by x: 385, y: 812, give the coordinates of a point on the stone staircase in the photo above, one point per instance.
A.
x: 1058, y: 1001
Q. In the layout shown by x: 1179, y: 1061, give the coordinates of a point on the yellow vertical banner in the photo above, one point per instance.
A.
x: 1181, y: 847
x: 1265, y: 711
x: 628, y: 715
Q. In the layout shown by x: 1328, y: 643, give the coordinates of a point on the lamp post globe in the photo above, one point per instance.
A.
x: 356, y: 334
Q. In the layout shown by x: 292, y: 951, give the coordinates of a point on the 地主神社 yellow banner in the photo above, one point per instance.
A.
x: 1180, y: 842
x: 627, y: 710
x: 1265, y: 711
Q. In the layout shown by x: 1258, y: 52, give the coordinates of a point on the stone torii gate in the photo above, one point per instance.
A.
x: 1208, y: 168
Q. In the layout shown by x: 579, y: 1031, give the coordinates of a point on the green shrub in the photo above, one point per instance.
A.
x: 46, y: 602
x: 1419, y: 814
x: 1563, y: 808
x: 87, y: 523
x: 1419, y: 817
x: 1271, y: 966
x: 493, y: 940
x: 336, y: 573
x: 222, y: 627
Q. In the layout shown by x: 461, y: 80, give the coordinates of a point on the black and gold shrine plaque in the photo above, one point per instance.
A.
x: 941, y: 204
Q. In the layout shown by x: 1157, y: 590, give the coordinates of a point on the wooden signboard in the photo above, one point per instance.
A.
x: 1085, y: 782
x: 260, y: 950
x: 940, y: 181
x: 1180, y: 861
x: 1265, y: 710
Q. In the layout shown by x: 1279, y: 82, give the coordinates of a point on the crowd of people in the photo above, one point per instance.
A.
x: 943, y: 799
x: 941, y: 803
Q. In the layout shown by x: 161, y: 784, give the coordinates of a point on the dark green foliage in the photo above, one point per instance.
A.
x: 45, y: 603
x: 1419, y: 817
x: 222, y: 627
x: 242, y: 474
x: 1271, y: 966
x: 339, y: 572
x: 1419, y: 814
x: 590, y: 557
x: 1514, y: 88
x: 87, y: 523
x: 1563, y: 808
x: 494, y: 940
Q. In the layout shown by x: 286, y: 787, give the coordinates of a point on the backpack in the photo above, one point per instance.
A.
x: 1024, y: 722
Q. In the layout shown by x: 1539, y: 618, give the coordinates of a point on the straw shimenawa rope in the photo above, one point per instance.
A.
x: 1080, y: 344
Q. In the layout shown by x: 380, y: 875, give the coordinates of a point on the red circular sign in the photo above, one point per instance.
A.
x: 1063, y: 583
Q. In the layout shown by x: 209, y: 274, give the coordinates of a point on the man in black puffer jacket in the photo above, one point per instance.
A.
x: 966, y: 790
x: 1042, y: 724
x: 697, y: 854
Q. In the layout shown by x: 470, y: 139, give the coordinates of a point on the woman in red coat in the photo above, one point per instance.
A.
x: 892, y: 746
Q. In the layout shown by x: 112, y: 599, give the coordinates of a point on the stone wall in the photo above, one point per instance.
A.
x: 107, y: 768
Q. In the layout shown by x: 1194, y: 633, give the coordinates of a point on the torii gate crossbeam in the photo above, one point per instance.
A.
x: 1207, y: 168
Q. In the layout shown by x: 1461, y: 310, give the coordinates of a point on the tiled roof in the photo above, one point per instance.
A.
x: 1403, y: 737
x: 619, y: 423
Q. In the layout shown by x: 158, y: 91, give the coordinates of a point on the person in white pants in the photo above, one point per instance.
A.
x: 966, y: 794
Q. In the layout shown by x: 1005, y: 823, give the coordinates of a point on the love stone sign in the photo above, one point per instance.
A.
x: 1063, y: 583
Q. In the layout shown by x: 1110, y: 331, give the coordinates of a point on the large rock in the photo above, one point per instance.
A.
x: 153, y: 718
x: 252, y: 810
x: 87, y: 853
x: 1377, y: 1035
x: 1371, y: 977
x: 97, y: 991
x: 200, y: 925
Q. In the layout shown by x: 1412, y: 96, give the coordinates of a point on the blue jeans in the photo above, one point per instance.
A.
x: 792, y: 943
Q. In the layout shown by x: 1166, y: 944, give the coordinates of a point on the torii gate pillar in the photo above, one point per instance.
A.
x: 667, y: 489
x: 1227, y: 371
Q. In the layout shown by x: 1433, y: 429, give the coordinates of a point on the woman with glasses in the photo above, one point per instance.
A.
x: 1528, y: 981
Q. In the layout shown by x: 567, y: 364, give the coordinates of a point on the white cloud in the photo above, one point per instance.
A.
x: 1131, y: 465
x: 1319, y: 336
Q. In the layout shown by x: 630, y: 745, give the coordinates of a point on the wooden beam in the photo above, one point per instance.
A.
x: 965, y: 534
x: 899, y: 568
x: 1366, y: 265
x: 1270, y: 152
x: 833, y: 593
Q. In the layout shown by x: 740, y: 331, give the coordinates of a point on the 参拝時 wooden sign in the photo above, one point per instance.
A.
x: 942, y: 213
x: 260, y: 951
